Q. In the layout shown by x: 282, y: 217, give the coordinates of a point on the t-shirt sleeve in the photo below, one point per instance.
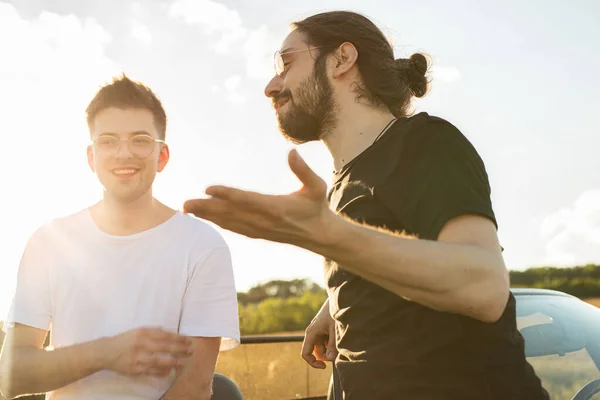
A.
x: 210, y: 306
x: 31, y: 304
x: 443, y: 177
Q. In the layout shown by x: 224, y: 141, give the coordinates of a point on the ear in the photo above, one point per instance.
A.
x: 163, y: 157
x: 90, y: 158
x: 345, y: 58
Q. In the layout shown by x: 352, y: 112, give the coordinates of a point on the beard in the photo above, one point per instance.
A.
x: 313, y: 114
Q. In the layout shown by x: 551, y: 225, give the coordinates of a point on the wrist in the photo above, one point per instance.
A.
x: 331, y: 236
x: 100, y: 354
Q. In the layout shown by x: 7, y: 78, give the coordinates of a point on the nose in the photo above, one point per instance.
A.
x: 123, y: 151
x: 273, y: 87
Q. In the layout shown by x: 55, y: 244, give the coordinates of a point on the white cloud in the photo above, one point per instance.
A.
x: 137, y: 7
x: 51, y: 67
x: 445, y: 73
x: 51, y: 64
x: 230, y: 90
x: 259, y: 49
x: 573, y: 233
x: 231, y: 87
x: 214, y: 18
x: 141, y: 33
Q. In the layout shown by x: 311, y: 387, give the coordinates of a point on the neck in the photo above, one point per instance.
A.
x: 358, y: 125
x: 118, y: 217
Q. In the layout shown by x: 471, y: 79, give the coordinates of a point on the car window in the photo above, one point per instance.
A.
x: 560, y: 335
x: 563, y: 376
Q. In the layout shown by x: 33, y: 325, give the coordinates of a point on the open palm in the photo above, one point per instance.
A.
x: 298, y: 218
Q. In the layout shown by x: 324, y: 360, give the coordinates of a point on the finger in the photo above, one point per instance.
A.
x: 307, y: 349
x: 320, y: 351
x: 158, y: 371
x: 331, y: 352
x: 307, y: 176
x: 250, y: 226
x: 307, y: 353
x: 206, y: 207
x: 169, y: 337
x: 173, y: 348
x: 230, y: 209
x: 160, y: 333
x: 155, y: 364
x: 224, y: 214
x: 161, y: 341
x: 238, y: 198
x: 143, y: 362
x: 164, y: 361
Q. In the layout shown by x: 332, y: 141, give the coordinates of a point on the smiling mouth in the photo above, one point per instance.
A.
x: 125, y: 172
x: 280, y: 104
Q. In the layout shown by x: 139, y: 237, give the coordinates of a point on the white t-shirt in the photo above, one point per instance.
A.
x: 84, y: 284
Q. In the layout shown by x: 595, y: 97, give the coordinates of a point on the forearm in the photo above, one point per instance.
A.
x: 191, y: 384
x: 452, y: 277
x: 194, y: 380
x: 30, y: 370
x: 189, y: 387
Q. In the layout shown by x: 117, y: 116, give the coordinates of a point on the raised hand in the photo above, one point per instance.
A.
x: 301, y: 218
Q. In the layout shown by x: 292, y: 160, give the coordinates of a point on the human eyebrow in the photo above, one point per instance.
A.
x: 137, y: 133
x: 116, y: 135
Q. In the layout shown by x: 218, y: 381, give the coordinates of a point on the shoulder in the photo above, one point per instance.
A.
x: 208, y: 251
x: 434, y: 137
x: 199, y: 231
x: 59, y: 226
x: 425, y: 129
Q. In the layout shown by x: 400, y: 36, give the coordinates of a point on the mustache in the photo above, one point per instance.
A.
x: 284, y: 94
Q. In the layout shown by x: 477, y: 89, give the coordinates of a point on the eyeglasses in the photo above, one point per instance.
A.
x: 140, y: 146
x: 278, y: 59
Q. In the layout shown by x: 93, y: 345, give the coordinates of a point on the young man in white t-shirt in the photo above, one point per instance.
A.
x: 139, y: 298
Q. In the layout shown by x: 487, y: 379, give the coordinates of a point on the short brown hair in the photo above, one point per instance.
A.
x: 124, y: 93
x: 385, y: 81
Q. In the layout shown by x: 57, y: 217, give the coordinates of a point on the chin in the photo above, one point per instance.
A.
x: 125, y: 196
x: 297, y: 136
x: 299, y: 126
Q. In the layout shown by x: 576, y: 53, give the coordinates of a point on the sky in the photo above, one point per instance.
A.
x: 519, y: 79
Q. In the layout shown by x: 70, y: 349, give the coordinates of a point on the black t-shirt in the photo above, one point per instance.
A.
x: 421, y: 173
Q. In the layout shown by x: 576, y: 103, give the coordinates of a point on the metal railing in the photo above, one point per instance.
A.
x: 336, y: 395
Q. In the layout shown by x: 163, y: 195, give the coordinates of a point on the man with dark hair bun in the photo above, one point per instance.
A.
x: 419, y: 305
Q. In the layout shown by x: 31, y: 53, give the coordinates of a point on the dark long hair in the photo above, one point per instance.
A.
x: 385, y: 80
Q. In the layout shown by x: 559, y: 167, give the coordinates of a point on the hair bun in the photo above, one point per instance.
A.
x: 414, y: 71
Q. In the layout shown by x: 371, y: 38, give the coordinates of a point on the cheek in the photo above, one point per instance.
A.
x: 99, y: 163
x: 151, y: 166
x: 292, y: 83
